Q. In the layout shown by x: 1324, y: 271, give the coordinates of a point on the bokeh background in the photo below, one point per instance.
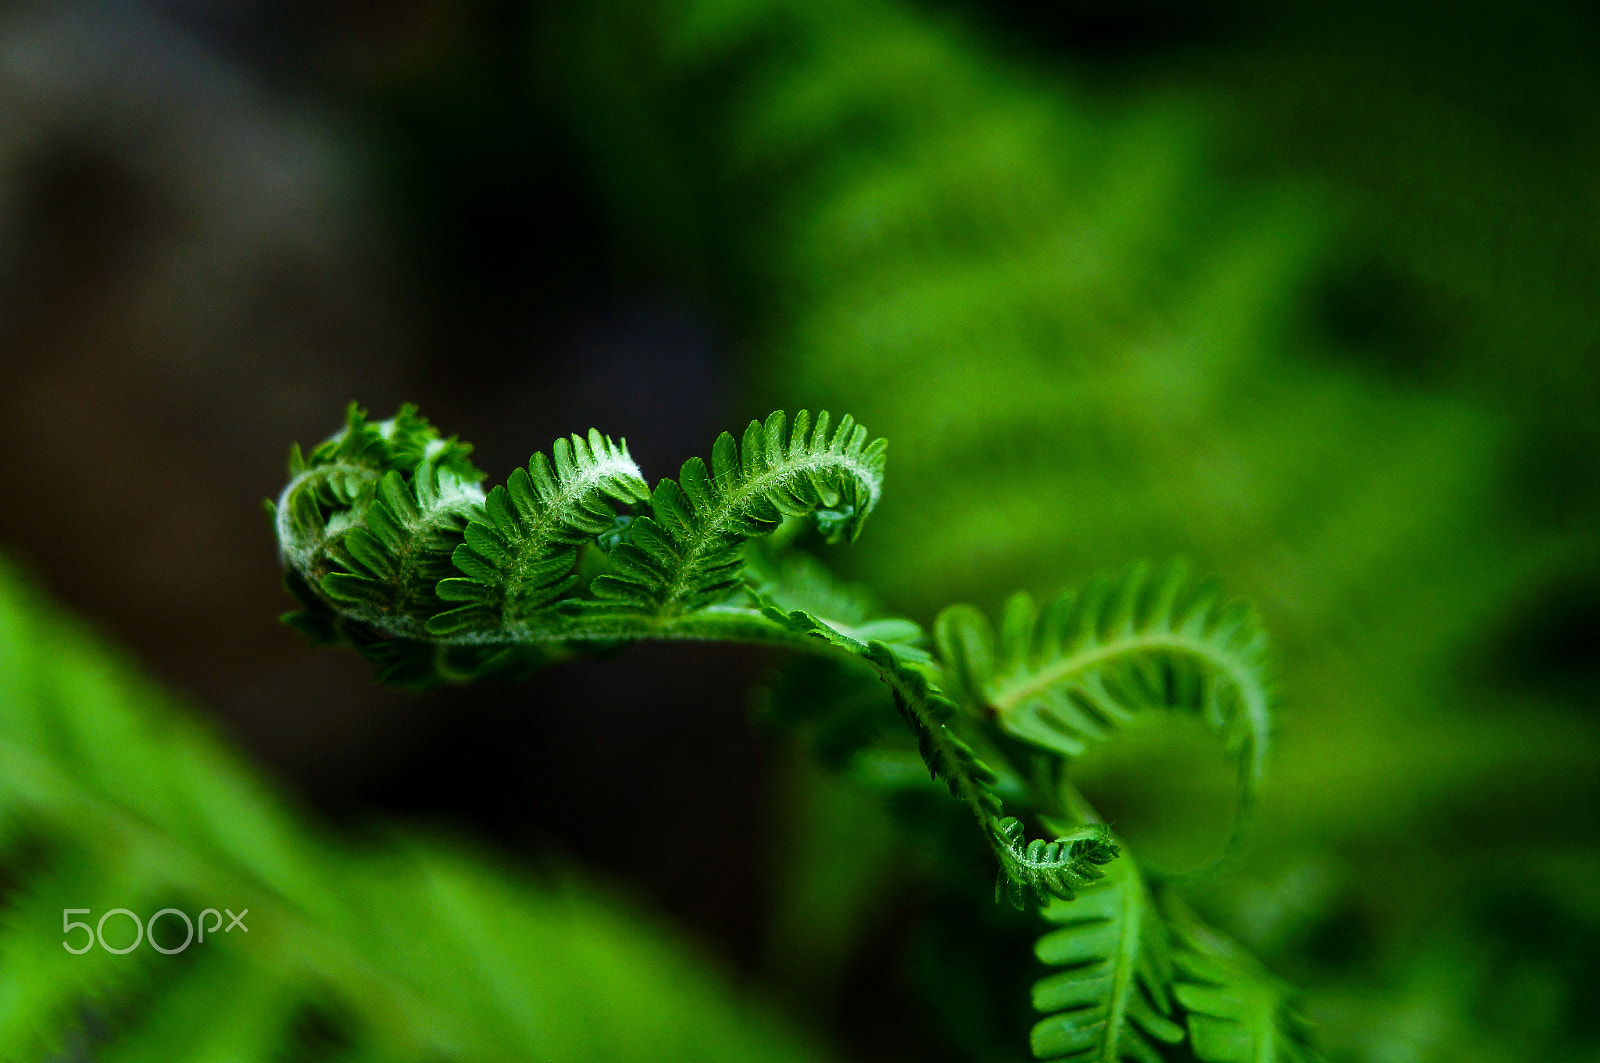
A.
x: 1305, y: 293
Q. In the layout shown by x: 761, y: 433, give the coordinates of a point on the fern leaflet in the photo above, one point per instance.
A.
x: 521, y: 556
x: 1067, y: 676
x: 1041, y: 871
x: 1111, y: 1001
x: 687, y: 553
x: 369, y: 519
x: 796, y: 580
x: 1236, y: 1011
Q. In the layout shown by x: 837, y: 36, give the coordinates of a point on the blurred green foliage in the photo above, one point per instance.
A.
x: 407, y: 949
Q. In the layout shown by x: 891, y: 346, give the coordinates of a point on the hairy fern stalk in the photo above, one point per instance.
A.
x: 393, y: 547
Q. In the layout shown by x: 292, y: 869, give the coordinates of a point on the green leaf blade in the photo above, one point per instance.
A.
x: 704, y: 519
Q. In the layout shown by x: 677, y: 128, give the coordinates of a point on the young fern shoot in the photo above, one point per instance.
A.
x: 393, y: 548
x: 677, y: 573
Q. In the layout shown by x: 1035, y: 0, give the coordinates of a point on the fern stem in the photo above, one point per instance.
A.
x: 915, y: 699
x: 712, y: 624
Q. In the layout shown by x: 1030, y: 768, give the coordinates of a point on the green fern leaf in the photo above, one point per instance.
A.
x: 521, y: 554
x: 1036, y: 871
x: 1041, y: 871
x: 1111, y: 1000
x: 687, y: 553
x: 370, y: 519
x: 920, y: 704
x: 394, y: 559
x: 1236, y: 1011
x: 1069, y: 675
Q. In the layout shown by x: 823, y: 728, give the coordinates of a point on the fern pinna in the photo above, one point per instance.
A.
x: 394, y: 549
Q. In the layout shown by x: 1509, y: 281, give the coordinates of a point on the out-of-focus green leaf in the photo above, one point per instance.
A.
x: 112, y: 798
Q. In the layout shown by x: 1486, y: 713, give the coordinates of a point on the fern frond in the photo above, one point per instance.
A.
x: 1111, y: 1001
x: 1034, y: 871
x: 367, y: 527
x: 1040, y: 871
x: 1236, y: 1011
x: 394, y: 558
x: 670, y: 575
x: 370, y: 519
x: 1069, y: 675
x: 838, y: 702
x: 687, y: 553
x: 521, y: 554
x: 920, y: 704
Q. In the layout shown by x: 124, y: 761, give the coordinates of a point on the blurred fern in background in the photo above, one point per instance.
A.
x: 406, y: 950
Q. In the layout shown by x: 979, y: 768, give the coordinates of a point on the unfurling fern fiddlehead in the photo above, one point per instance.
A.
x: 394, y: 548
